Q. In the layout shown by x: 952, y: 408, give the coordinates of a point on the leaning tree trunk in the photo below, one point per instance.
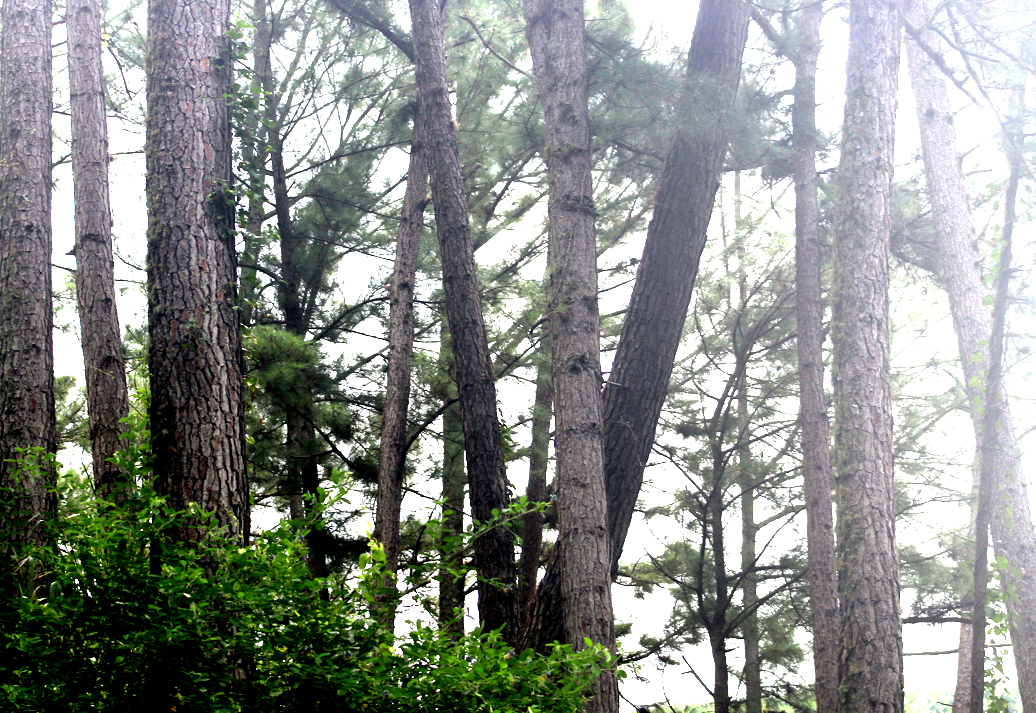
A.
x: 555, y: 31
x: 27, y: 418
x: 483, y: 439
x: 106, y: 393
x: 392, y: 458
x: 197, y: 411
x: 454, y: 480
x: 637, y: 386
x: 960, y: 272
x: 871, y: 643
x: 816, y: 448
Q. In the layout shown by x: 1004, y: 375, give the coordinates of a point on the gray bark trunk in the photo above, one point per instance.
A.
x: 483, y: 439
x: 197, y: 413
x: 637, y: 386
x: 961, y: 274
x: 555, y: 31
x: 536, y: 491
x: 106, y: 392
x: 451, y: 588
x: 816, y: 448
x: 26, y: 316
x: 392, y: 457
x: 871, y: 642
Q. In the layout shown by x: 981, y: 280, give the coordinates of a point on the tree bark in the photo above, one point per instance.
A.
x: 960, y: 271
x: 197, y: 413
x: 107, y: 397
x: 392, y: 457
x: 536, y: 491
x: 483, y: 439
x: 555, y: 31
x: 27, y: 417
x: 636, y: 389
x: 454, y: 480
x: 816, y: 453
x: 871, y: 643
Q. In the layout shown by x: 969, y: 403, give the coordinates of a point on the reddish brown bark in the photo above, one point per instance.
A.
x: 483, y: 439
x: 197, y: 412
x: 26, y: 317
x: 106, y: 392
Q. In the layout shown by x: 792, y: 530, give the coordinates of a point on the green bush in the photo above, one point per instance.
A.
x: 218, y: 627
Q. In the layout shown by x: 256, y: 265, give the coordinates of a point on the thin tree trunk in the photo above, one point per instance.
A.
x: 197, y: 412
x: 555, y: 31
x: 637, y: 386
x: 717, y: 627
x: 816, y: 453
x: 451, y: 588
x: 254, y: 158
x: 26, y: 315
x: 746, y: 479
x: 392, y: 457
x: 992, y: 461
x: 961, y: 274
x: 107, y: 398
x: 536, y: 491
x: 871, y: 642
x: 483, y: 439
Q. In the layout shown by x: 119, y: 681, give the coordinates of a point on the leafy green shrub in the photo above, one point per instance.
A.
x: 133, y: 621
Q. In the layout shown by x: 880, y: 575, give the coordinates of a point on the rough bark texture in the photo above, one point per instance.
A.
x: 392, y: 457
x: 536, y: 491
x: 26, y: 315
x: 454, y: 480
x: 555, y: 30
x: 961, y: 274
x: 637, y: 386
x: 106, y: 392
x: 197, y: 412
x: 816, y: 449
x: 871, y: 642
x: 639, y: 379
x: 483, y: 440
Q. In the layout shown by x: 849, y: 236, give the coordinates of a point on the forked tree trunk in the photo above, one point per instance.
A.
x: 197, y: 410
x: 26, y: 316
x: 483, y: 439
x: 637, y: 386
x: 555, y: 31
x: 816, y: 447
x: 106, y: 393
x: 392, y: 457
x: 871, y: 642
x: 960, y: 268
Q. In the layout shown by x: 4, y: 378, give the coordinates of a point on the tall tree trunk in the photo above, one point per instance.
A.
x: 555, y: 31
x: 106, y: 392
x: 254, y: 158
x: 717, y: 625
x: 816, y: 449
x: 536, y: 491
x: 392, y: 457
x: 961, y: 274
x: 197, y: 412
x: 637, y: 386
x: 746, y: 480
x: 26, y: 315
x: 871, y: 642
x: 483, y: 439
x: 451, y: 588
